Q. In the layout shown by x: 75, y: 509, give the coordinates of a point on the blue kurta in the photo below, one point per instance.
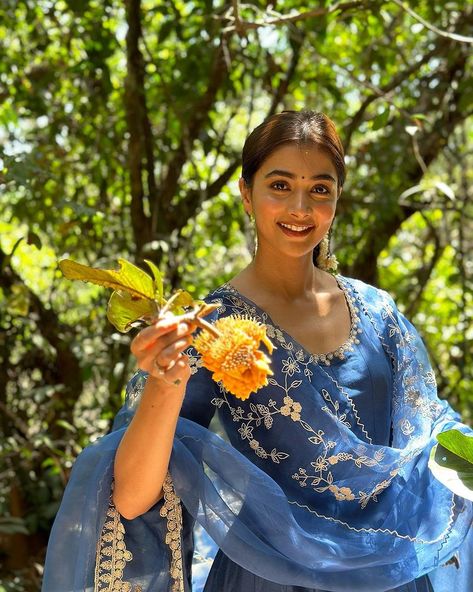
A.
x: 322, y: 482
x: 365, y: 371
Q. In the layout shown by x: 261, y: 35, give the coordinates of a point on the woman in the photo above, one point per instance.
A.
x: 324, y: 483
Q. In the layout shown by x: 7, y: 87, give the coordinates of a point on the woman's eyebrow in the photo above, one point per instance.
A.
x: 282, y: 173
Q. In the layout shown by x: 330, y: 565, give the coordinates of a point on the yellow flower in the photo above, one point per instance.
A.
x: 234, y: 356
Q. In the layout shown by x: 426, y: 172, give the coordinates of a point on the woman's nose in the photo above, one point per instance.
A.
x: 300, y: 203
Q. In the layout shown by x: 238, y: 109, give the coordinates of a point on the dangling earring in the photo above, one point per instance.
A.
x: 325, y: 259
x: 255, y: 234
x: 252, y: 242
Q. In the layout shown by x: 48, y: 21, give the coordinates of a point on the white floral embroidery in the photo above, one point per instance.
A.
x: 290, y: 366
x: 321, y: 479
x: 291, y: 408
x: 335, y: 409
x: 296, y: 366
x: 259, y: 415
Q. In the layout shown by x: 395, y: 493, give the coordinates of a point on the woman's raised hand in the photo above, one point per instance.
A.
x: 159, y: 350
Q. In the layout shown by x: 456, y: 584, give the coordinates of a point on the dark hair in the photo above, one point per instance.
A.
x: 304, y: 128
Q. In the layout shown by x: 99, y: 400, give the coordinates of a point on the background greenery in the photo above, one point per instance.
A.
x: 121, y: 125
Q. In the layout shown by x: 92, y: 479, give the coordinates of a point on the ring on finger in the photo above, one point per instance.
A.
x: 161, y: 370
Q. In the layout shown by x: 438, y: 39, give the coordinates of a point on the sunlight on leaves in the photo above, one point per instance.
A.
x: 451, y: 462
x: 124, y: 309
x: 129, y: 277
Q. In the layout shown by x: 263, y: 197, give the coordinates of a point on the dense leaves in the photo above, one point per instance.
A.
x: 121, y: 126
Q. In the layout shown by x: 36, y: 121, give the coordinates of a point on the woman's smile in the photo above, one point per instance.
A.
x: 296, y: 229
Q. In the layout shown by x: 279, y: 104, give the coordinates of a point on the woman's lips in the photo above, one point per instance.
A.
x: 295, y: 229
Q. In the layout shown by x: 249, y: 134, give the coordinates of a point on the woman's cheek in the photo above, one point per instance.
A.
x: 326, y: 210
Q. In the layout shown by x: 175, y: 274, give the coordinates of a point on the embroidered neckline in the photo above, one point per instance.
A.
x: 325, y: 358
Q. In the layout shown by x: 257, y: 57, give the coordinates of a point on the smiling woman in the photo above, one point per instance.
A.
x: 313, y: 148
x: 322, y: 483
x: 293, y: 194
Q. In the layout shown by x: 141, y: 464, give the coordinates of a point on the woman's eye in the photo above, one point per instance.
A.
x: 321, y: 190
x: 279, y: 185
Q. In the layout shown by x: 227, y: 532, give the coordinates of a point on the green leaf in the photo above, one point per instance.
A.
x: 18, y: 302
x: 178, y: 301
x: 381, y: 120
x: 158, y: 281
x: 458, y: 443
x: 124, y: 309
x: 129, y: 277
x: 165, y: 30
x: 33, y: 239
x: 66, y: 425
x: 445, y: 189
x: 452, y: 471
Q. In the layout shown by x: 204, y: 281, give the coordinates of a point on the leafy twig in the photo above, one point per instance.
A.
x: 431, y: 27
x: 239, y: 25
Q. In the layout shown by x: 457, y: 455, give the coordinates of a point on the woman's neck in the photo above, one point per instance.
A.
x: 288, y: 278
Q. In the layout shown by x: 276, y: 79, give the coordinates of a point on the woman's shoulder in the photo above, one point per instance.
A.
x: 369, y: 293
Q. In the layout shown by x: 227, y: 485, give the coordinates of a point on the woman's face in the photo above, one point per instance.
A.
x: 293, y: 199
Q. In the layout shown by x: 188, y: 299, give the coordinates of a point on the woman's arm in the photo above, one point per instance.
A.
x: 142, y: 458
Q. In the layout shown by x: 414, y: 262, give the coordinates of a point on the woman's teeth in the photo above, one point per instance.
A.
x: 295, y: 228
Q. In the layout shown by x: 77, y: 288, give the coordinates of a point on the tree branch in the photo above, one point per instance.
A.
x: 431, y: 144
x: 357, y: 119
x: 424, y: 274
x: 194, y: 199
x: 239, y: 25
x: 58, y: 335
x: 199, y: 116
x: 431, y: 27
x: 140, y: 145
x: 283, y: 86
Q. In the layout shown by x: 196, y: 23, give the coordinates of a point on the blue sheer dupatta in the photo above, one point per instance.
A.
x: 264, y: 520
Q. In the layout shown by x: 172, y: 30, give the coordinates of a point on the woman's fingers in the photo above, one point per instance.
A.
x: 164, y: 331
x: 178, y: 373
x: 164, y: 356
x: 159, y: 350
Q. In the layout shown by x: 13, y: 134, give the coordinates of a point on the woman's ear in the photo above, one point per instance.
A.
x: 245, y: 193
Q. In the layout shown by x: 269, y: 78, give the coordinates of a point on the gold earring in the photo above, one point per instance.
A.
x: 255, y: 234
x: 326, y: 260
x: 251, y: 235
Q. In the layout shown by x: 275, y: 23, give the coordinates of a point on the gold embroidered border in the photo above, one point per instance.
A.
x: 171, y: 510
x: 112, y: 556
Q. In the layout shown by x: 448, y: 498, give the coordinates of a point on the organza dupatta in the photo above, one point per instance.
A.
x: 302, y: 494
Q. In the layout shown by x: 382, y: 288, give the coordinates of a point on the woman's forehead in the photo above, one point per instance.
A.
x: 300, y: 160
